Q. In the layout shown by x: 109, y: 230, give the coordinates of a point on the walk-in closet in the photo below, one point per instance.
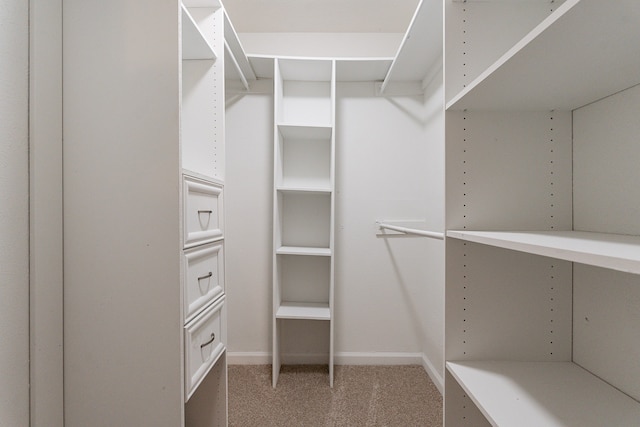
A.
x: 266, y: 213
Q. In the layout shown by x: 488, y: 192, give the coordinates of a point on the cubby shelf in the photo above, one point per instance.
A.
x: 543, y: 394
x: 613, y: 251
x: 594, y: 63
x: 303, y: 311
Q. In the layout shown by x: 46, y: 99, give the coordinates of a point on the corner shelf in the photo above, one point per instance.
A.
x: 552, y: 394
x: 421, y: 46
x: 613, y: 251
x: 529, y: 77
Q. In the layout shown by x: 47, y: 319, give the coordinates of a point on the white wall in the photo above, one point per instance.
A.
x: 248, y: 222
x: 389, y: 292
x: 45, y: 194
x: 14, y: 214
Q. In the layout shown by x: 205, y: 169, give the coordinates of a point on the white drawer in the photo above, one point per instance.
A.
x: 202, y: 211
x: 205, y: 338
x: 203, y: 277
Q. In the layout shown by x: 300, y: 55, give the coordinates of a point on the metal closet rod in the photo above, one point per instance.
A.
x: 406, y: 230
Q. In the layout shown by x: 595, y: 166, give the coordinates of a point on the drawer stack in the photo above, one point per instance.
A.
x: 203, y: 285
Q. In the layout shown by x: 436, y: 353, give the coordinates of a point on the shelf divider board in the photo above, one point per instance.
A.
x: 543, y: 394
x: 303, y: 311
x: 194, y: 44
x: 614, y: 251
x: 528, y: 77
x: 304, y: 199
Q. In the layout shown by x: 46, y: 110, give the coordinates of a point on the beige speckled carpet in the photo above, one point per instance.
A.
x: 367, y: 396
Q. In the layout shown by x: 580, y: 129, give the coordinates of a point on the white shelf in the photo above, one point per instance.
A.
x: 546, y: 394
x: 300, y: 128
x: 293, y: 131
x: 613, y: 251
x: 421, y: 47
x: 347, y: 69
x: 304, y: 190
x: 194, y: 44
x: 303, y: 311
x: 567, y: 61
x: 299, y: 250
x: 238, y: 65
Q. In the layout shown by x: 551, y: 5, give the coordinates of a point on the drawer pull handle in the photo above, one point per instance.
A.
x: 213, y: 338
x: 203, y: 211
x: 206, y: 276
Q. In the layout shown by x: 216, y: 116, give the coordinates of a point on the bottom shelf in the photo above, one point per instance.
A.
x: 300, y: 310
x: 543, y: 394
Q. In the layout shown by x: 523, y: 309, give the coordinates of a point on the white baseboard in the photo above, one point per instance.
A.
x: 433, y: 374
x: 249, y: 358
x: 344, y: 358
x: 378, y: 358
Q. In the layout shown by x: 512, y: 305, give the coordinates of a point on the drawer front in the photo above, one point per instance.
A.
x: 205, y: 338
x: 203, y: 277
x: 202, y: 212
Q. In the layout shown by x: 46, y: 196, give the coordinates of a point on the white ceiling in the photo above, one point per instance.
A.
x: 322, y: 16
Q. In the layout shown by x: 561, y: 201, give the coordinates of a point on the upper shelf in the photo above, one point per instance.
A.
x: 347, y: 69
x: 421, y: 47
x: 614, y: 251
x: 194, y: 44
x: 238, y: 65
x: 582, y: 52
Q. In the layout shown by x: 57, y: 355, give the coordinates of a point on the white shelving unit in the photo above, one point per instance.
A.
x: 203, y: 173
x: 304, y: 198
x: 145, y: 314
x: 542, y: 241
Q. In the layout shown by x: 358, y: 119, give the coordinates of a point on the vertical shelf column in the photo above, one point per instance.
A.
x: 304, y: 205
x: 203, y: 173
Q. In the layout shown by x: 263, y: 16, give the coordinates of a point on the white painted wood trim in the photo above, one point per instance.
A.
x: 431, y: 370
